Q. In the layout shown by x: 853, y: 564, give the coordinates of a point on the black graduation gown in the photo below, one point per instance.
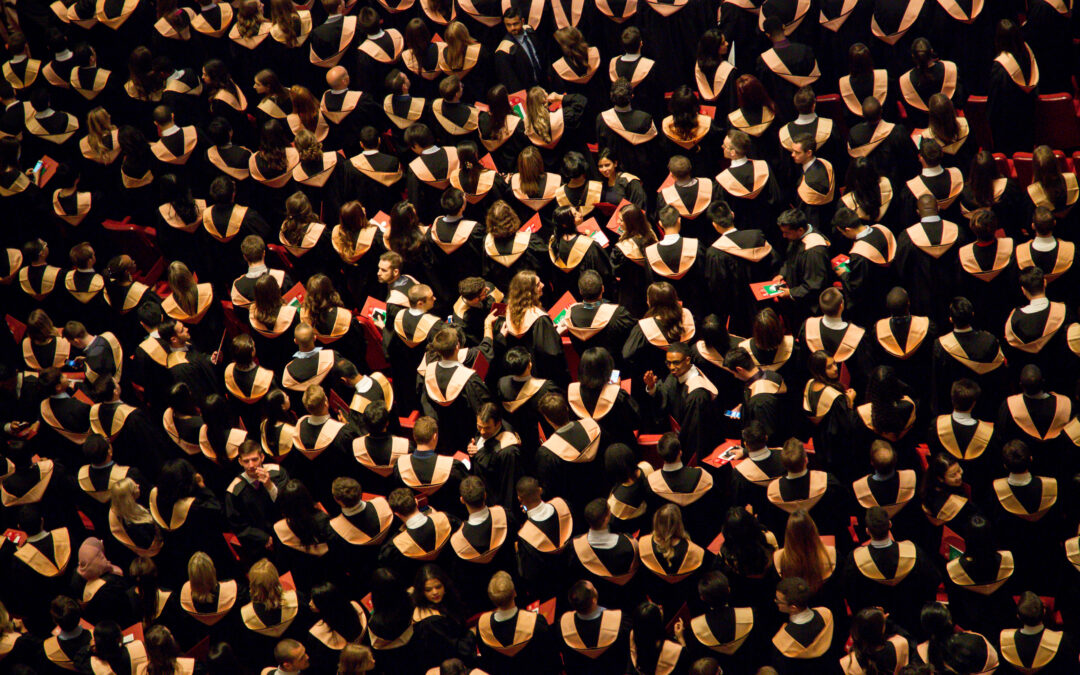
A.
x: 752, y: 190
x: 806, y: 270
x: 410, y: 548
x: 691, y: 489
x: 436, y: 476
x: 631, y: 136
x: 611, y: 407
x: 827, y: 507
x: 1046, y: 30
x: 974, y: 354
x: 691, y: 405
x: 541, y: 339
x: 828, y: 411
x: 615, y: 572
x: 507, y: 646
x: 519, y: 399
x: 980, y: 594
x: 481, y: 549
x: 728, y: 635
x: 250, y: 512
x: 570, y: 257
x: 499, y: 462
x: 568, y: 465
x: 542, y: 551
x: 973, y: 445
x: 1028, y: 521
x: 1011, y: 107
x: 926, y: 266
x: 870, y: 275
x: 809, y: 647
x: 603, y: 324
x: 890, y: 578
x: 596, y: 645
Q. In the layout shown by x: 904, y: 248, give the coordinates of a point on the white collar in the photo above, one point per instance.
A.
x: 480, y: 516
x: 335, y: 17
x: 353, y: 510
x: 595, y: 614
x: 602, y: 539
x: 964, y: 418
x: 881, y: 543
x: 865, y: 232
x: 689, y: 182
x: 339, y: 91
x: 448, y: 363
x: 670, y: 239
x: 1031, y: 630
x: 63, y: 55
x: 738, y: 162
x: 370, y: 152
x: 504, y: 614
x: 416, y: 312
x: 543, y: 511
x: 630, y: 57
x: 806, y: 165
x: 318, y: 419
x: 308, y: 354
x: 760, y: 455
x: 1036, y: 305
x: 805, y: 616
x: 376, y: 36
x: 170, y: 131
x: 70, y: 635
x: 806, y: 118
x: 930, y: 219
x: 47, y: 112
x: 672, y: 466
x: 1020, y: 479
x: 835, y: 324
x: 931, y: 171
x: 1044, y: 244
x: 790, y: 475
x: 688, y: 374
x: 416, y: 520
x: 19, y: 58
x: 430, y: 151
x: 256, y: 271
x: 882, y: 477
x: 39, y: 536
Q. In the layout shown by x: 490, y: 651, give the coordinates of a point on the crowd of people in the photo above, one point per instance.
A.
x: 538, y: 336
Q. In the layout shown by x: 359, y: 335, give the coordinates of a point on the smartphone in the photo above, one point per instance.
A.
x: 499, y: 308
x: 733, y: 414
x: 728, y: 454
x: 614, y: 379
x: 71, y: 363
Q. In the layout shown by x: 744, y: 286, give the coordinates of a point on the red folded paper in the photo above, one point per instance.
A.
x: 561, y: 307
x: 763, y: 290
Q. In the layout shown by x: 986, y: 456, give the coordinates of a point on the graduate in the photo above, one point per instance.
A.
x: 965, y: 352
x: 360, y: 529
x: 593, y: 322
x: 496, y: 454
x: 422, y: 537
x: 924, y: 262
x: 434, y: 476
x: 566, y: 463
x: 763, y: 394
x: 480, y: 544
x: 452, y: 393
x: 512, y: 639
x: 807, y: 639
x: 542, y: 539
x: 593, y: 637
x: 251, y: 498
x: 606, y: 559
x: 869, y: 266
x: 687, y: 396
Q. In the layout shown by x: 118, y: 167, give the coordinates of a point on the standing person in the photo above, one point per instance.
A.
x: 1014, y: 89
x: 807, y: 639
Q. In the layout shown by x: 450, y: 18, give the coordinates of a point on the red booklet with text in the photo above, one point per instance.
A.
x: 532, y: 224
x: 763, y: 290
x: 561, y: 307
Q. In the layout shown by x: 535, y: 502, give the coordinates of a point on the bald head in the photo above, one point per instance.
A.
x: 927, y: 205
x: 337, y: 77
x: 304, y: 337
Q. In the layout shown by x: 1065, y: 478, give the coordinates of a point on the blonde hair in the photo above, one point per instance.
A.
x: 264, y: 584
x: 203, y: 577
x: 537, y: 115
x: 122, y: 502
x: 457, y: 40
x: 522, y: 296
x: 100, y: 126
x: 308, y: 146
x: 500, y: 589
x: 355, y: 659
x: 668, y: 530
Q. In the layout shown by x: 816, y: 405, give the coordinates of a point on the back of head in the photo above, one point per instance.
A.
x: 793, y: 456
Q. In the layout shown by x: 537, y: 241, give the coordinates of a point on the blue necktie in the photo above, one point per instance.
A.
x: 526, y: 43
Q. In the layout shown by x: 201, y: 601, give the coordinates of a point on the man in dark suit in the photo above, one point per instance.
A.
x: 518, y: 62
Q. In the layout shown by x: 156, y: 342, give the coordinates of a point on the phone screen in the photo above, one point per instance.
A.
x: 733, y: 414
x: 614, y: 379
x: 71, y: 363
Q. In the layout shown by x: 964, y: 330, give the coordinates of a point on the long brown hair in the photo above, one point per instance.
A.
x: 664, y: 307
x: 457, y: 40
x: 636, y: 227
x: 320, y: 297
x: 574, y: 48
x: 804, y: 554
x: 298, y: 215
x: 943, y: 122
x: 522, y: 296
x: 537, y: 115
x: 284, y: 15
x: 353, y: 220
x: 530, y: 168
x: 305, y: 106
x: 502, y: 222
x: 1047, y: 173
x: 268, y: 301
x: 184, y: 289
